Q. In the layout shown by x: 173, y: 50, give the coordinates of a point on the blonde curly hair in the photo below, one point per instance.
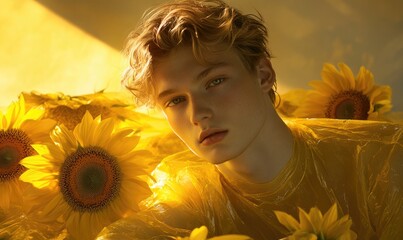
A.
x: 204, y: 25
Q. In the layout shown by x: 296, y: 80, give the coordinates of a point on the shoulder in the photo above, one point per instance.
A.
x: 352, y: 149
x: 370, y: 152
x: 348, y: 138
x: 364, y: 130
x: 349, y: 130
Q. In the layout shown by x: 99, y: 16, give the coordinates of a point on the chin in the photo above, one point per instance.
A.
x: 217, y: 161
x: 217, y: 158
x: 214, y: 156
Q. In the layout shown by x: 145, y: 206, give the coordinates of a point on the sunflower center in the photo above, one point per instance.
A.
x: 89, y: 179
x: 14, y: 146
x: 348, y: 105
x: 71, y: 117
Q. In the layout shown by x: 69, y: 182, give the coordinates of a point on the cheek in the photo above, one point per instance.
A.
x: 238, y: 99
x: 178, y: 125
x: 244, y: 105
x: 174, y: 122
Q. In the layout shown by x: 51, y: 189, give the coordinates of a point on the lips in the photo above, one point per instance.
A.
x: 211, y: 136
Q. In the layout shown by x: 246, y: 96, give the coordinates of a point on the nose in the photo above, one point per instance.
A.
x: 200, y: 110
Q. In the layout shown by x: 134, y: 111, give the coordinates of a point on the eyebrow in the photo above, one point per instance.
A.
x: 206, y: 71
x: 200, y: 76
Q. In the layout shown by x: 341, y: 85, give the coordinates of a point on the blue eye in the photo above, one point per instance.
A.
x: 175, y: 101
x: 215, y: 82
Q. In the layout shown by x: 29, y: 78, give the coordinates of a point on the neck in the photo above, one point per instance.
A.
x: 266, y: 156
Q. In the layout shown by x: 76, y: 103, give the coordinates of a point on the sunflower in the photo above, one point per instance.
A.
x: 96, y: 174
x: 201, y: 234
x: 342, y: 96
x: 288, y: 102
x: 19, y: 128
x: 317, y: 226
x: 69, y: 110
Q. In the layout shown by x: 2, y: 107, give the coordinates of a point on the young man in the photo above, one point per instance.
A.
x: 207, y: 67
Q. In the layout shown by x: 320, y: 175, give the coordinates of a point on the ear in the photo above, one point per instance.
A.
x: 266, y: 74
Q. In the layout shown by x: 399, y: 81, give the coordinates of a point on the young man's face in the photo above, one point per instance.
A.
x: 218, y: 110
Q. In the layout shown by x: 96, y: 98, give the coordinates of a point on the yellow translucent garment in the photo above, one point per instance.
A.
x: 356, y: 164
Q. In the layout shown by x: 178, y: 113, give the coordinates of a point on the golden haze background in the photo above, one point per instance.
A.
x: 73, y: 46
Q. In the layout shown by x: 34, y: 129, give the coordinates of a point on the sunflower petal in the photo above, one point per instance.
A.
x: 38, y: 131
x: 37, y: 178
x: 142, y: 190
x: 64, y: 138
x: 231, y: 237
x: 33, y: 114
x: 11, y: 115
x: 287, y: 220
x: 123, y: 145
x: 84, y: 131
x: 74, y: 226
x: 316, y: 219
x: 105, y: 128
x: 349, y: 79
x: 333, y: 78
x: 304, y: 221
x: 365, y: 80
x: 55, y: 208
x: 330, y: 217
x: 339, y: 228
x: 322, y: 88
x: 35, y: 162
x: 199, y: 233
x: 349, y: 235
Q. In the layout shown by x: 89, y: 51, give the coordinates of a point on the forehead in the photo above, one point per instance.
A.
x: 181, y: 61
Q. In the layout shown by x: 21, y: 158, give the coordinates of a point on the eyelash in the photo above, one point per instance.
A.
x: 209, y: 84
x: 172, y: 101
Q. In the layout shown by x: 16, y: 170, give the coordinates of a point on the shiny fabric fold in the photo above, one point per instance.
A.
x: 356, y: 164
